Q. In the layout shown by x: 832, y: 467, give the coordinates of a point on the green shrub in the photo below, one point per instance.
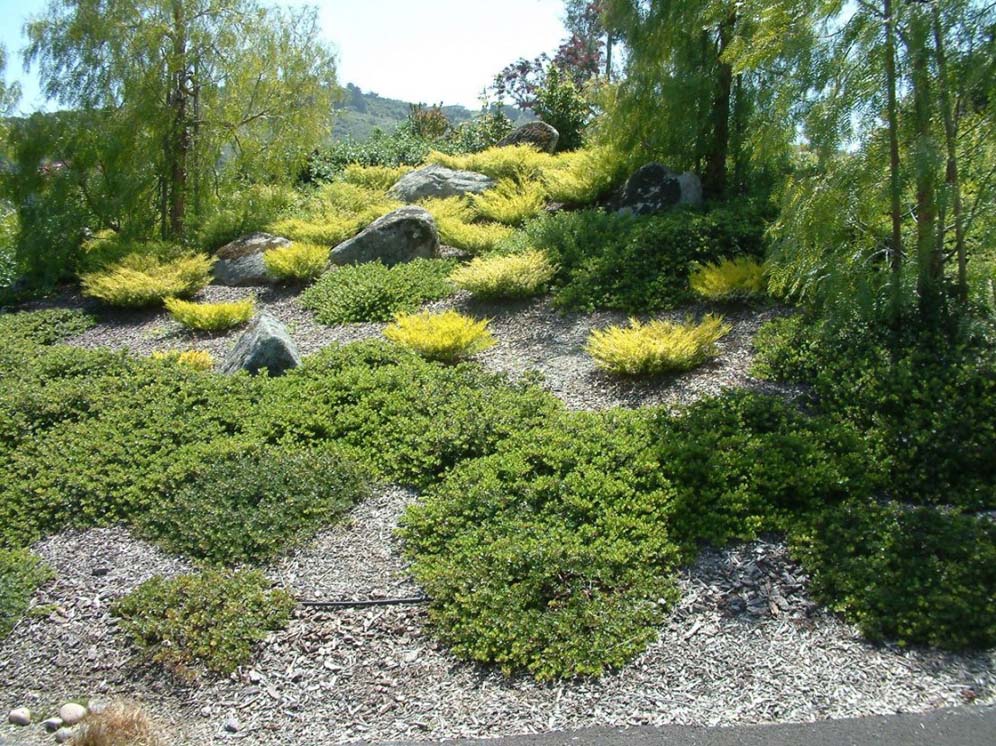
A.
x: 211, y: 619
x: 552, y: 555
x: 583, y: 176
x: 561, y: 104
x: 107, y: 248
x: 299, y: 262
x: 244, y: 211
x: 333, y: 213
x: 512, y: 276
x: 373, y: 292
x: 912, y: 575
x: 743, y: 277
x: 44, y: 327
x: 145, y: 281
x: 636, y: 264
x: 211, y: 317
x: 399, y: 148
x: 510, y: 203
x: 20, y: 574
x: 246, y: 504
x: 656, y: 347
x: 446, y: 336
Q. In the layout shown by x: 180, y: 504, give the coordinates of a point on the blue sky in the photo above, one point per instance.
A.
x: 415, y: 50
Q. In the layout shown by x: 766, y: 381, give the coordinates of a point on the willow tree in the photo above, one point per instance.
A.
x: 9, y: 94
x: 196, y: 92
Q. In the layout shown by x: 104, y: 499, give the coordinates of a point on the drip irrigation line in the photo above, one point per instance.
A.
x: 363, y: 603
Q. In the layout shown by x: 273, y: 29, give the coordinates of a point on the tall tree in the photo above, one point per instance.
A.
x: 201, y: 90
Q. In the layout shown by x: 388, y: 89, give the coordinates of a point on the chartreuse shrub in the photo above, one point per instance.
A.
x: 374, y: 292
x: 211, y: 619
x: 211, y: 317
x: 140, y: 280
x: 379, y: 178
x: 583, y: 176
x: 656, y: 347
x: 446, y: 336
x: 457, y: 223
x: 519, y: 162
x: 299, y: 262
x: 243, y: 503
x: 107, y: 248
x: 553, y: 554
x: 333, y: 213
x: 743, y: 277
x: 510, y: 202
x: 20, y: 574
x: 194, y: 359
x: 511, y: 276
x: 243, y: 211
x: 636, y: 264
x: 44, y: 327
x: 916, y: 575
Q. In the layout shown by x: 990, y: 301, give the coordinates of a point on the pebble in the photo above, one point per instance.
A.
x: 19, y: 716
x: 232, y: 725
x: 71, y: 713
x: 64, y: 734
x: 52, y: 724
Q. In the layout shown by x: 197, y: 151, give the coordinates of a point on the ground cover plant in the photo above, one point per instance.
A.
x: 511, y: 276
x: 729, y: 279
x: 374, y: 292
x: 207, y: 620
x: 44, y: 327
x: 334, y: 212
x: 141, y: 280
x: 509, y: 202
x: 210, y: 317
x: 20, y: 574
x: 446, y: 336
x: 656, y: 347
x: 195, y: 359
x: 299, y: 262
x: 459, y: 227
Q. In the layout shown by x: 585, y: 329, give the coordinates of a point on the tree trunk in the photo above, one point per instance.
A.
x: 608, y: 57
x: 953, y: 184
x: 715, y: 176
x: 178, y: 145
x: 895, y: 210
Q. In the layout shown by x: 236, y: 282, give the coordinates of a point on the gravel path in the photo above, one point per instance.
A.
x: 745, y: 645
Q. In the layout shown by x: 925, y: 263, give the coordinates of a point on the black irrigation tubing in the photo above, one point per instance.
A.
x: 364, y: 603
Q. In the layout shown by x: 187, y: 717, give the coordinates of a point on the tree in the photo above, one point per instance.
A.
x: 197, y: 92
x: 9, y: 94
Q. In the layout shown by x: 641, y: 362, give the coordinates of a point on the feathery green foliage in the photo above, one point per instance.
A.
x: 455, y: 220
x: 20, y: 574
x: 510, y: 203
x: 193, y: 359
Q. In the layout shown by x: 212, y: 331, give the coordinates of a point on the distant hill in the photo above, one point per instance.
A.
x: 361, y: 113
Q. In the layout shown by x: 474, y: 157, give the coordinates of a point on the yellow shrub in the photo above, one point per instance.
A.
x: 742, y: 277
x: 329, y: 231
x: 196, y: 359
x: 582, y: 176
x: 513, y: 276
x: 455, y: 221
x: 144, y: 280
x: 297, y: 262
x: 333, y: 213
x: 380, y: 178
x: 445, y: 336
x: 511, y: 203
x: 656, y: 347
x: 211, y: 317
x: 519, y: 162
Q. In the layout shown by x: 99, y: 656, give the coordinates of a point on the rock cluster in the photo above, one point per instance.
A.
x: 62, y: 725
x: 437, y: 181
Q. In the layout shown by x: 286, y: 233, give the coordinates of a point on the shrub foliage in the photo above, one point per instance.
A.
x: 446, y: 336
x: 743, y: 277
x: 20, y: 574
x: 656, y: 347
x: 141, y: 280
x: 211, y: 317
x: 511, y: 276
x: 299, y: 262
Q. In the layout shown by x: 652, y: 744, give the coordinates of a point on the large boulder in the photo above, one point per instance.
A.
x: 400, y: 236
x: 265, y: 344
x: 539, y: 134
x: 438, y: 181
x: 240, y: 263
x: 653, y: 188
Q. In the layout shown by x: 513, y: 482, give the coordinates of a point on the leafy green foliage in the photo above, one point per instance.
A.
x: 107, y: 248
x: 659, y: 346
x: 211, y: 317
x: 20, y: 574
x: 639, y: 265
x: 915, y: 575
x: 448, y: 336
x: 373, y: 292
x: 562, y: 105
x: 44, y: 327
x: 211, y: 619
x: 246, y: 504
x: 140, y: 280
x: 512, y: 276
x: 552, y: 555
x: 244, y: 210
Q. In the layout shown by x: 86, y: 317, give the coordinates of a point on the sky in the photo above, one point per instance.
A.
x: 427, y: 51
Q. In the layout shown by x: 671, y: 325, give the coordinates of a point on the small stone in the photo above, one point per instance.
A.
x: 99, y: 572
x: 71, y: 713
x: 52, y: 724
x: 255, y: 677
x: 19, y: 716
x: 64, y: 734
x: 232, y: 725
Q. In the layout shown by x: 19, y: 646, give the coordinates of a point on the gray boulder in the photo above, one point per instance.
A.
x: 653, y: 188
x: 539, y: 134
x: 438, y: 181
x: 400, y: 236
x: 265, y: 344
x: 240, y: 263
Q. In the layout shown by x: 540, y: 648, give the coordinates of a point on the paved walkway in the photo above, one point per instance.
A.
x: 961, y: 726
